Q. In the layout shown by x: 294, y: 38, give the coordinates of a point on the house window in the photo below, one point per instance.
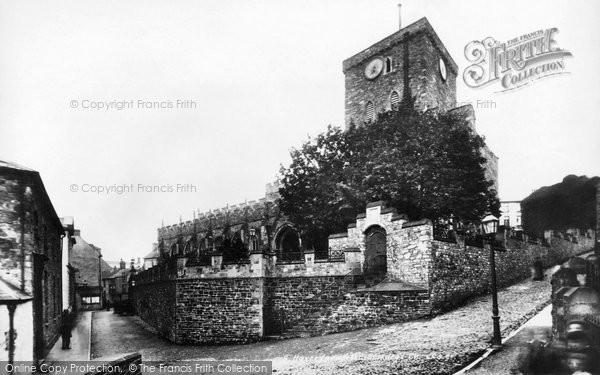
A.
x: 388, y: 65
x: 90, y: 300
x: 370, y: 110
x: 394, y: 101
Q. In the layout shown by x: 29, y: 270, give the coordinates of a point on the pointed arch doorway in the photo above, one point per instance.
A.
x: 375, y: 252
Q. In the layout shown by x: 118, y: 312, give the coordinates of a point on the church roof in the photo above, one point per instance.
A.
x: 421, y: 25
x: 154, y: 253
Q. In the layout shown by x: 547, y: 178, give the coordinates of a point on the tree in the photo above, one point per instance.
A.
x: 566, y: 205
x: 424, y: 164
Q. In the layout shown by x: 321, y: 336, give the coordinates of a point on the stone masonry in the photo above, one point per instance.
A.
x: 220, y: 303
x: 31, y: 255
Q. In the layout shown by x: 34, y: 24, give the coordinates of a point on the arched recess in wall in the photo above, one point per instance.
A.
x: 375, y: 251
x: 234, y: 250
x: 388, y: 65
x: 173, y: 249
x: 287, y: 244
x: 394, y: 100
x: 369, y: 112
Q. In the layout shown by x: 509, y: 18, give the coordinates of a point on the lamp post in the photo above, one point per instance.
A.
x: 490, y: 227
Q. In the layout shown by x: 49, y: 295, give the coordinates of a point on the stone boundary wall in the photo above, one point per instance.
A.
x: 224, y: 303
x: 244, y: 310
x: 459, y: 272
x: 156, y: 304
x: 309, y: 306
x: 219, y: 311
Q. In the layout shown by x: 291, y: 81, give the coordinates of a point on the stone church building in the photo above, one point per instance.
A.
x: 240, y: 273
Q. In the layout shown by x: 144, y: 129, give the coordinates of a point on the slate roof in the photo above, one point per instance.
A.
x: 84, y: 257
x: 154, y: 253
x: 119, y: 273
x: 11, y: 165
x: 8, y: 167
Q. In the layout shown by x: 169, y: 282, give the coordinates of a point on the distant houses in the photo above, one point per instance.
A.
x: 90, y: 269
x: 116, y: 282
x: 151, y: 259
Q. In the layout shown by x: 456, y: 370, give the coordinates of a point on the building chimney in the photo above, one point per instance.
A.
x: 399, y: 16
x: 122, y: 264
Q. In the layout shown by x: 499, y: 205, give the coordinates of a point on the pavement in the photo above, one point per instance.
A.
x: 512, y: 359
x: 80, y: 342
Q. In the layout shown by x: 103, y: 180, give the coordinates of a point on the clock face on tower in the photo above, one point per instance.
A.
x: 374, y: 68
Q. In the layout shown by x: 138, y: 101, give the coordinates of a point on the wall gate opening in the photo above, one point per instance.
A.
x: 375, y: 266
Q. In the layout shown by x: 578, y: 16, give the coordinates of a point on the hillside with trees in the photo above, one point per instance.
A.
x: 565, y: 205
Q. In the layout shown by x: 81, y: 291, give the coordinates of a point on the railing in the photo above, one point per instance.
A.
x: 233, y: 255
x: 290, y: 256
x: 444, y: 233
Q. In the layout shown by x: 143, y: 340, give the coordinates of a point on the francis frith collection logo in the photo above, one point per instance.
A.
x: 515, y: 63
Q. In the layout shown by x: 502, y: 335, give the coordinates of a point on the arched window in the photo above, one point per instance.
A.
x: 388, y: 65
x: 394, y: 101
x: 370, y: 111
x: 288, y: 245
x: 252, y: 240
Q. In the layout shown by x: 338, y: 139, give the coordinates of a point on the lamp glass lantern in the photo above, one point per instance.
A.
x: 490, y: 224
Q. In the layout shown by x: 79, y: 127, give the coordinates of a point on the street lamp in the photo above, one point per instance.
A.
x: 489, y: 225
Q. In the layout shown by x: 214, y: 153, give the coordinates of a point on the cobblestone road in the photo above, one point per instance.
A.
x: 439, y: 345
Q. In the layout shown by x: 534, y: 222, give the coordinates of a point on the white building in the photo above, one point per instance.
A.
x: 510, y: 214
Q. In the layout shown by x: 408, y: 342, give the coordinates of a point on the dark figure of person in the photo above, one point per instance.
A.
x: 65, y: 331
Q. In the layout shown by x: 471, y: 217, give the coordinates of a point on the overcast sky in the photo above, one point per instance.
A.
x: 263, y: 75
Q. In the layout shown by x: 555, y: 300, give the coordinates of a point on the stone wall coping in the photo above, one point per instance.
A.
x: 338, y: 235
x: 399, y: 217
x: 376, y: 204
x: 340, y: 260
x: 237, y: 262
x: 283, y: 262
x: 394, y: 287
x: 261, y: 251
x: 409, y: 224
x: 388, y: 210
x: 362, y: 215
x: 351, y: 225
x: 352, y: 250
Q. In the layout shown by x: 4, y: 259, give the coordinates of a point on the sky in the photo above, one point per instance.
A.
x: 253, y: 79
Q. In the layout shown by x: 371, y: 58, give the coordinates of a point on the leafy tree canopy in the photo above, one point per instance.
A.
x: 424, y: 164
x: 565, y: 205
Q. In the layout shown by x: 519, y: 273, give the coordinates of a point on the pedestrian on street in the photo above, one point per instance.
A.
x: 65, y: 330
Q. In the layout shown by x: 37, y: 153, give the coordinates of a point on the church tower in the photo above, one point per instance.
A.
x: 411, y: 63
